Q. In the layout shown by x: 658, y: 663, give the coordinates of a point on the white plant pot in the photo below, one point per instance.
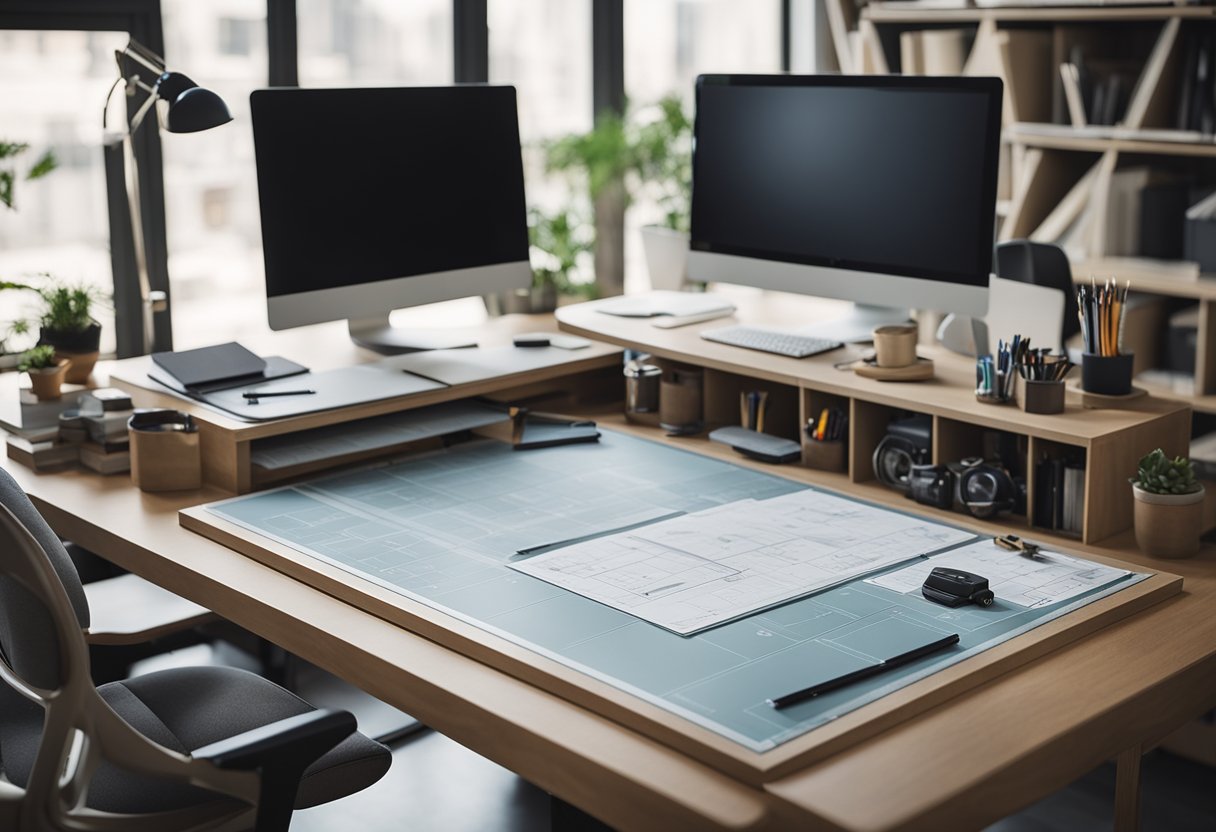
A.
x: 666, y: 257
x: 1168, y: 525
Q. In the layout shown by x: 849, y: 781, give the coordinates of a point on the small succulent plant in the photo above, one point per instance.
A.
x: 1158, y: 474
x: 38, y: 358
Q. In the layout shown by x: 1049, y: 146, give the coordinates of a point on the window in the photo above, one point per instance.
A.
x: 544, y: 49
x: 52, y: 85
x: 211, y: 203
x: 370, y: 42
x: 667, y: 44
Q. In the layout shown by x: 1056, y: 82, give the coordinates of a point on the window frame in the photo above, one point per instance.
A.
x: 142, y: 20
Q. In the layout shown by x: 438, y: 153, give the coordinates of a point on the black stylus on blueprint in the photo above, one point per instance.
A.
x: 864, y: 673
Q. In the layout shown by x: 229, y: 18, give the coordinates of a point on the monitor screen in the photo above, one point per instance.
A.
x: 889, y: 176
x: 359, y: 186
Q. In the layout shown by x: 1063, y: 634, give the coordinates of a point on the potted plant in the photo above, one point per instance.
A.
x: 67, y: 324
x: 650, y: 149
x: 558, y: 241
x: 46, y: 371
x: 663, y: 157
x: 1168, y: 506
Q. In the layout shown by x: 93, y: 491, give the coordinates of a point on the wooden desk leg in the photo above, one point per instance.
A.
x: 1127, y: 790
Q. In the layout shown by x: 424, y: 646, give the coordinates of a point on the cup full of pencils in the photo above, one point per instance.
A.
x: 1105, y: 368
x: 1040, y: 381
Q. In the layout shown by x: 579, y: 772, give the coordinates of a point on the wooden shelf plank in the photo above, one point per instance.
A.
x: 878, y: 13
x: 1145, y: 276
x: 1094, y: 144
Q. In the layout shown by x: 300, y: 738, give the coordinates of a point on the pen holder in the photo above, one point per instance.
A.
x: 1040, y: 396
x: 1107, y: 375
x: 164, y: 451
x: 824, y: 456
x: 680, y: 400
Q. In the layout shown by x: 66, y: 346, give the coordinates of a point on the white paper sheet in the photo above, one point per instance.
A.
x: 1028, y: 582
x: 700, y: 570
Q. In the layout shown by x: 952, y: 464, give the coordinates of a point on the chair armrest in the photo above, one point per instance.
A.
x: 280, y: 752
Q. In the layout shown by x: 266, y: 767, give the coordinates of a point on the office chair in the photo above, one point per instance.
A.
x: 1041, y: 264
x: 188, y: 748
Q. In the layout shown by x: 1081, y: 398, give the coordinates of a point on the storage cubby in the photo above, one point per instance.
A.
x: 722, y: 390
x: 1057, y: 499
x: 954, y: 441
x: 868, y: 423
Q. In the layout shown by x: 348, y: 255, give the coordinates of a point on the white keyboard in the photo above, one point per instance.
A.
x: 766, y: 340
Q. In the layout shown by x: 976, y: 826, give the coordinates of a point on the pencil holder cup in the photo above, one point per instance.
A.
x: 680, y: 400
x: 1107, y: 375
x: 824, y: 456
x: 1040, y: 396
x: 164, y: 451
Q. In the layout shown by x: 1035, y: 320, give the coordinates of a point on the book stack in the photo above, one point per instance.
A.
x: 104, y: 413
x: 33, y: 428
x: 1060, y: 495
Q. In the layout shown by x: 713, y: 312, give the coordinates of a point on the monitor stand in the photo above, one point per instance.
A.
x: 381, y: 336
x: 858, y: 325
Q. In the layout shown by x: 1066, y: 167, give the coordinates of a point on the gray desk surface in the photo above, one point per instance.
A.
x: 440, y: 528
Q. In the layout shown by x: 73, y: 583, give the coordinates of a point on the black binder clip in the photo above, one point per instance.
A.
x: 954, y: 587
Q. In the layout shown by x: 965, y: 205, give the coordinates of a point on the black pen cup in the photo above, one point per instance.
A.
x: 1107, y: 375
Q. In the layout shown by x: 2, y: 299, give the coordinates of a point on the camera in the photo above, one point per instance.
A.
x: 983, y: 489
x: 907, y: 444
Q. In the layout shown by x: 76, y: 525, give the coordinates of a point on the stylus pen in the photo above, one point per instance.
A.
x: 863, y: 673
x: 254, y: 394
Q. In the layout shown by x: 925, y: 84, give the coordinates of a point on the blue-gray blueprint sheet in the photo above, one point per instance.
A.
x: 440, y: 527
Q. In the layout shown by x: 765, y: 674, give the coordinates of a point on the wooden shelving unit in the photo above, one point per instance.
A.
x: 1064, y: 183
x: 1110, y: 441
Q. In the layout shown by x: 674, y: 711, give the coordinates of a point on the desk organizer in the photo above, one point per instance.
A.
x: 1040, y: 396
x: 165, y: 453
x: 825, y: 456
x: 1107, y: 375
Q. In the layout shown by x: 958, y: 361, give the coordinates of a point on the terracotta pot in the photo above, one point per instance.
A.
x: 46, y: 382
x: 1168, y: 525
x: 80, y: 365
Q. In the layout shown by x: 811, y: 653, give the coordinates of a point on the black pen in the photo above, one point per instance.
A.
x: 254, y: 394
x: 864, y: 673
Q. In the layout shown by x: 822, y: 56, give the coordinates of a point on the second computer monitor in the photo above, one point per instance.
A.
x: 376, y: 199
x: 876, y: 190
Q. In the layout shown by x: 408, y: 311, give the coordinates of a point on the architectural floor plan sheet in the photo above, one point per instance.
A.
x: 445, y: 528
x: 699, y: 570
x: 1047, y: 578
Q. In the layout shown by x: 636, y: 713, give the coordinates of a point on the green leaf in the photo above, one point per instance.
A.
x: 43, y: 166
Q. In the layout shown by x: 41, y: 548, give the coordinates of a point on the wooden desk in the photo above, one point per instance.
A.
x: 970, y: 761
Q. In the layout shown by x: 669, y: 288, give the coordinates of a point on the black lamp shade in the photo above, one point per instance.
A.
x: 191, y: 108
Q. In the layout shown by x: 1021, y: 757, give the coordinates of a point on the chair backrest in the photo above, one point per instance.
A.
x: 27, y: 631
x: 1042, y: 264
x: 43, y: 608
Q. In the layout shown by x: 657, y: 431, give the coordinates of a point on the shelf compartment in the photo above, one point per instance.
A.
x: 868, y: 423
x: 1046, y: 484
x: 721, y: 405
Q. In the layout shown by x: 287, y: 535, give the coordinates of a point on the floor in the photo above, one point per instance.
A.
x: 437, y: 785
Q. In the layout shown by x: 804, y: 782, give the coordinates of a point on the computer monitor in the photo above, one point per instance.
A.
x: 878, y: 190
x: 376, y: 199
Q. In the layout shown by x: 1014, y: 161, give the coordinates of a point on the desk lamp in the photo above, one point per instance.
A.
x: 191, y: 108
